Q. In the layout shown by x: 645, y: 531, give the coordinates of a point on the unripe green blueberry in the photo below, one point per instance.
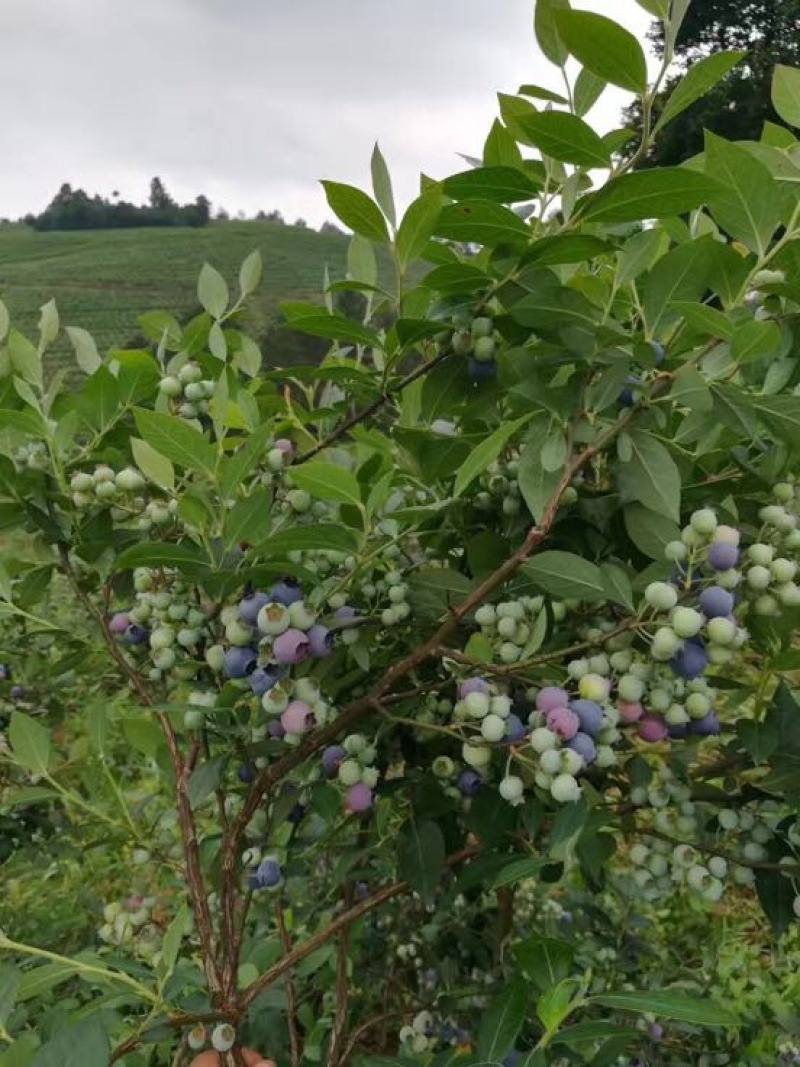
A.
x: 559, y: 611
x: 105, y: 491
x: 661, y: 595
x: 81, y: 482
x: 178, y: 611
x: 758, y: 577
x: 721, y: 631
x: 483, y: 349
x: 190, y: 372
x: 783, y: 570
x: 565, y: 789
x: 301, y: 616
x: 443, y: 767
x: 704, y: 521
x: 501, y: 705
x: 550, y: 761
x: 676, y: 551
x: 728, y: 579
x: 223, y: 1037
x: 194, y: 392
x: 158, y: 514
x: 571, y: 762
x: 506, y: 627
x: 462, y: 342
x: 215, y: 657
x: 543, y: 740
x: 170, y: 387
x: 789, y: 594
x: 686, y: 622
x: 593, y: 687
x: 485, y: 615
x: 398, y: 593
x: 238, y: 634
x: 82, y: 500
x: 477, y: 756
x: 483, y: 326
x: 761, y: 554
x: 767, y: 606
x: 298, y: 500
x: 273, y: 619
x: 606, y: 756
x: 476, y: 705
x: 188, y: 410
x: 493, y: 729
x: 665, y: 644
x: 698, y: 705
x: 162, y: 637
x: 630, y: 689
x: 142, y: 580
x: 389, y: 617
x: 753, y: 852
x: 349, y: 772
x: 103, y: 473
x: 275, y: 700
x: 164, y: 659
x: 509, y: 653
x: 188, y: 637
x: 599, y: 664
x: 728, y: 819
x: 512, y: 789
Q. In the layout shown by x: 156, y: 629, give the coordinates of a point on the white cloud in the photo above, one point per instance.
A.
x: 253, y: 101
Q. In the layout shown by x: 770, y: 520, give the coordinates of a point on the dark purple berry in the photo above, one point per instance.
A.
x: 345, y: 613
x: 297, y: 814
x: 708, y: 726
x: 679, y: 732
x: 626, y: 399
x: 331, y: 758
x: 691, y: 661
x: 17, y: 692
x: 481, y: 372
x: 275, y: 729
x: 262, y: 680
x: 136, y: 634
x: 659, y: 355
x: 515, y: 729
x: 240, y: 662
x: 320, y: 641
x: 469, y: 782
x: 250, y: 605
x: 722, y: 556
x: 246, y: 773
x: 716, y: 602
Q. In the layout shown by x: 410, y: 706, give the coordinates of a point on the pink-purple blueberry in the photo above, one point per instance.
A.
x: 292, y: 646
x: 250, y: 605
x: 551, y: 697
x: 119, y: 623
x: 320, y: 641
x: 652, y: 728
x: 359, y: 798
x: 473, y: 685
x: 563, y: 722
x: 332, y: 756
x: 722, y: 556
x: 298, y: 718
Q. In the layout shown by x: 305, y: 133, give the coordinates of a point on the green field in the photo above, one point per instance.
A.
x: 103, y: 280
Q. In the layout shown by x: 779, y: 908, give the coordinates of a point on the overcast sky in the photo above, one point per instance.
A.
x: 253, y: 101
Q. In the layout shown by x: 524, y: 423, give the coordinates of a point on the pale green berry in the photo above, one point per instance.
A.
x: 349, y: 772
x: 301, y: 616
x: 698, y: 705
x: 717, y: 866
x: 543, y: 740
x: 476, y: 705
x: 273, y: 619
x: 194, y: 392
x: 665, y: 644
x: 761, y: 554
x: 630, y: 689
x: 105, y: 491
x: 783, y: 570
x: 482, y: 326
x: 298, y: 500
x: 477, y: 756
x: 550, y: 761
x: 509, y: 653
x: 443, y: 767
x: 493, y: 729
x: 484, y: 349
x: 485, y: 615
x: 170, y: 387
x: 164, y: 659
x: 565, y: 789
x: 571, y: 761
x: 512, y: 789
x: 163, y: 637
x: 789, y: 594
x: 676, y: 551
x: 215, y: 657
x: 190, y: 372
x: 576, y: 668
x: 81, y: 482
x: 686, y: 622
x: 721, y: 631
x: 501, y: 705
x: 704, y: 521
x: 676, y: 715
x: 238, y: 634
x: 661, y: 595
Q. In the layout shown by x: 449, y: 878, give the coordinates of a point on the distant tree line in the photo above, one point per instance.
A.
x: 74, y: 209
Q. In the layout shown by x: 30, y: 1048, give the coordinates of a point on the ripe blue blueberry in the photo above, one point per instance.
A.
x: 286, y: 592
x: 589, y: 714
x: 708, y: 726
x: 584, y: 746
x: 331, y: 758
x: 250, y: 605
x: 320, y: 641
x: 515, y: 730
x: 659, y: 355
x: 722, y: 555
x: 240, y: 662
x: 481, y: 372
x: 246, y: 773
x: 262, y: 680
x: 691, y: 661
x: 268, y: 874
x: 469, y: 782
x: 135, y: 635
x: 716, y: 602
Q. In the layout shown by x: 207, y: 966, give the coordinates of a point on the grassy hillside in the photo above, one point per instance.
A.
x: 104, y: 279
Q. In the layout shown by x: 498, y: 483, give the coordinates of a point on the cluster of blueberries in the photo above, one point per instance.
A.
x: 188, y: 391
x: 474, y: 337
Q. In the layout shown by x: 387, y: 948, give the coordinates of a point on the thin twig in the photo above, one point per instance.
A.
x: 291, y: 996
x: 342, y: 997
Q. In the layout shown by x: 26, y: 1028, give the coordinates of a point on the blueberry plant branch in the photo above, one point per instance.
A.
x: 370, y: 409
x: 194, y: 875
x: 295, y: 1047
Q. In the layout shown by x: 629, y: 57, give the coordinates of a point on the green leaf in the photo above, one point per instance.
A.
x: 357, y: 210
x: 319, y: 322
x: 588, y: 90
x: 183, y: 558
x: 250, y: 273
x: 536, y: 485
x: 5, y: 321
x: 382, y: 185
x: 583, y: 1037
x: 657, y: 8
x: 501, y: 1023
x: 781, y: 414
x: 506, y: 185
x: 617, y: 585
x: 362, y: 266
x: 547, y: 36
x: 556, y: 1003
x: 776, y: 895
x: 517, y: 870
x: 485, y: 453
x: 546, y: 960
x: 786, y: 94
x: 538, y: 92
x: 639, y: 253
x: 565, y: 137
x: 565, y: 248
x: 25, y: 360
x: 566, y: 576
x: 212, y: 291
x: 176, y: 931
x: 668, y: 1005
x: 755, y: 340
x: 236, y: 468
x: 176, y: 439
x: 456, y: 278
x: 748, y: 204
x: 680, y: 275
x: 326, y: 481
x: 420, y: 857
x: 48, y: 324
x: 500, y: 148
x: 705, y: 320
x: 86, y: 355
x: 10, y: 979
x: 321, y: 537
x: 249, y: 519
x: 690, y: 389
x: 649, y: 194
x: 30, y: 742
x: 604, y: 48
x: 483, y: 222
x: 701, y: 76
x: 152, y: 464
x: 83, y: 1045
x: 418, y: 225
x: 205, y: 778
x: 651, y: 477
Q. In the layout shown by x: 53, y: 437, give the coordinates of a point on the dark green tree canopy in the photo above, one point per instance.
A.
x: 767, y: 30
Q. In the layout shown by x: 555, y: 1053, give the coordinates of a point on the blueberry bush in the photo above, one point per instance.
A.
x: 436, y: 704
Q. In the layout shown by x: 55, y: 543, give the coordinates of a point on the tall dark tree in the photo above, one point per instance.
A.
x: 737, y: 108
